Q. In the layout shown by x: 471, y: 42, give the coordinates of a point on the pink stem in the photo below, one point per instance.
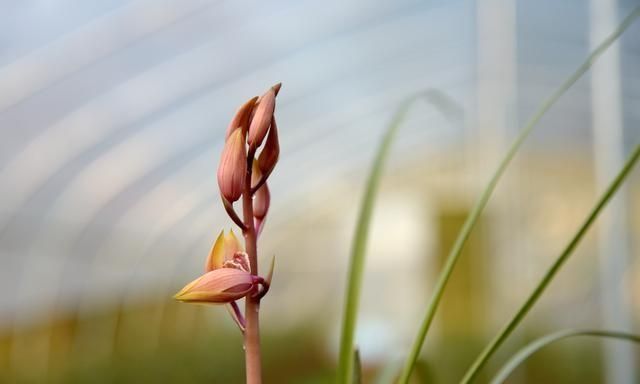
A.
x: 228, y: 206
x: 253, y: 364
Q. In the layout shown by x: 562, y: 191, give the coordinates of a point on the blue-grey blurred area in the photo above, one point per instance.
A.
x: 112, y: 119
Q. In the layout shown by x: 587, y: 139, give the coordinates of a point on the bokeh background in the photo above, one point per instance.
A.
x: 112, y: 118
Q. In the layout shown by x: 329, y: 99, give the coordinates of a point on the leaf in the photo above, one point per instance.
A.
x: 542, y: 342
x: 555, y: 267
x: 356, y: 265
x: 357, y: 367
x: 471, y: 220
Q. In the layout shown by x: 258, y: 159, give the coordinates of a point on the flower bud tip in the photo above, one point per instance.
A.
x: 261, y: 119
x: 276, y: 88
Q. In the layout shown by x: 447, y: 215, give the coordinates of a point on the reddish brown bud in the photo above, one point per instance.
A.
x: 233, y: 167
x: 261, y: 119
x: 241, y: 118
x: 271, y: 151
x: 261, y: 201
x: 262, y: 197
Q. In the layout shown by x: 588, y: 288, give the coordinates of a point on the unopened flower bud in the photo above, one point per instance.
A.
x: 262, y: 118
x: 241, y: 118
x: 233, y: 166
x: 261, y: 201
x: 271, y: 151
x: 222, y: 285
x: 262, y: 197
x: 225, y: 247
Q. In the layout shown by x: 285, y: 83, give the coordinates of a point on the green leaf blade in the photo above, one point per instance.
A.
x: 451, y: 111
x: 523, y: 354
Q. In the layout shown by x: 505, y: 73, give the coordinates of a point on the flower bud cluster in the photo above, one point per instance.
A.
x: 253, y: 125
x: 250, y: 153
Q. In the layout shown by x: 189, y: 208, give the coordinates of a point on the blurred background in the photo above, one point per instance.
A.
x: 112, y: 119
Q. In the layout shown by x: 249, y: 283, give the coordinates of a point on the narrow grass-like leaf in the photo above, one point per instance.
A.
x: 357, y: 367
x: 542, y: 342
x: 471, y: 220
x: 555, y: 267
x: 356, y: 264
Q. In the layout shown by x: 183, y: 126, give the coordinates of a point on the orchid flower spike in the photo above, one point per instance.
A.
x: 249, y: 155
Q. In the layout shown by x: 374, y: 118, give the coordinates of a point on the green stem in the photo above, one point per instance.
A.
x: 542, y: 342
x: 480, y: 204
x: 549, y: 275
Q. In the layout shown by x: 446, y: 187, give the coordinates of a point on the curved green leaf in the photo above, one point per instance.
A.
x: 542, y: 342
x: 356, y: 265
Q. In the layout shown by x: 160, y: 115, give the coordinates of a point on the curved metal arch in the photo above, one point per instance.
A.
x: 8, y: 102
x: 56, y: 183
x: 109, y: 146
x: 61, y: 124
x: 195, y: 95
x: 331, y: 35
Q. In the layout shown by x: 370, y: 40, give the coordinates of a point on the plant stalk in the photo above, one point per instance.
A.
x: 253, y: 364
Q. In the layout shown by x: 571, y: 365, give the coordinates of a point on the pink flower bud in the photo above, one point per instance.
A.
x: 261, y: 119
x: 271, y: 151
x: 233, y: 167
x: 222, y: 285
x: 223, y: 249
x: 261, y: 202
x: 241, y: 118
x: 262, y: 197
